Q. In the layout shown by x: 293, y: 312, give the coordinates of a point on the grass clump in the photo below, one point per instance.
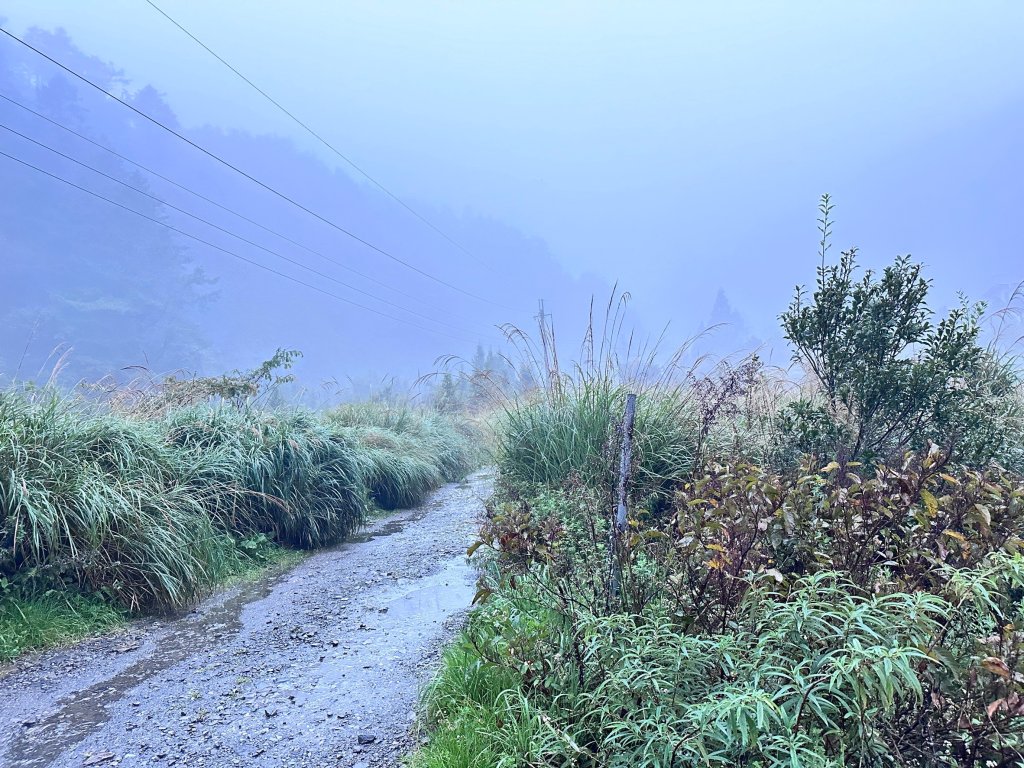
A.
x: 283, y: 474
x: 92, y: 501
x: 566, y: 428
x: 406, y: 452
x: 571, y: 431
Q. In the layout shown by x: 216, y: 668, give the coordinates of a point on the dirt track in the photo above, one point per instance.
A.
x: 320, y: 666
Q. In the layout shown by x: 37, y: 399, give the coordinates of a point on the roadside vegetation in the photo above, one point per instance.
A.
x: 145, y: 499
x: 818, y: 572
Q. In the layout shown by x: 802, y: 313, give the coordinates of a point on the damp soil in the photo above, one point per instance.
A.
x: 317, y: 666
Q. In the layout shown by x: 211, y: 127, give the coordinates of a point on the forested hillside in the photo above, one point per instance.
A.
x: 123, y: 291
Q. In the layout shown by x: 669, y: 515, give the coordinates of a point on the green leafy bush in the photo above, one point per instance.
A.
x: 818, y: 573
x: 814, y: 665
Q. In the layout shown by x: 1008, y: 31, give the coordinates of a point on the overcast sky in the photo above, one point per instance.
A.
x: 677, y: 148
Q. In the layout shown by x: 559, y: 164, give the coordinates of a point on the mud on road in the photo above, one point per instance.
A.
x: 319, y: 666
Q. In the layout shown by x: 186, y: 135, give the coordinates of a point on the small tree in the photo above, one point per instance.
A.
x: 446, y: 396
x: 889, y: 378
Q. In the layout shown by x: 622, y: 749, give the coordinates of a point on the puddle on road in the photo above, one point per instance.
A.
x: 390, y: 527
x: 447, y: 592
x: 85, y: 710
x: 437, y: 601
x: 395, y: 526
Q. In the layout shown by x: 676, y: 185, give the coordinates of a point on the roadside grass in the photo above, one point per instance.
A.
x: 284, y: 474
x: 406, y: 452
x: 571, y: 431
x: 564, y: 427
x: 151, y: 512
x: 462, y: 711
x: 52, y: 619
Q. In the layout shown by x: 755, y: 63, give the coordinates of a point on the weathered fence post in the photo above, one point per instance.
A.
x: 618, y: 526
x: 625, y: 462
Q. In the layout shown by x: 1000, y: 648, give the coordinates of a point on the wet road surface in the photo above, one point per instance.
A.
x: 319, y: 666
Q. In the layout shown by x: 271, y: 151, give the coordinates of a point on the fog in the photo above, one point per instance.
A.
x: 511, y: 153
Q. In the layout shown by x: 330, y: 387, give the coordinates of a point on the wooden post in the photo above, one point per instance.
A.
x: 625, y: 464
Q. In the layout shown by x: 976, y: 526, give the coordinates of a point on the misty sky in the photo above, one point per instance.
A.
x: 676, y: 148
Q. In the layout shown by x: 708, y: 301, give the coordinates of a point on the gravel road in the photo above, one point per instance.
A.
x: 319, y: 666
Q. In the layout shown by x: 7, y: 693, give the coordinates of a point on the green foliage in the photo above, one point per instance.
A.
x: 53, y: 618
x: 889, y: 377
x: 833, y: 617
x: 237, y: 387
x: 465, y: 709
x: 406, y: 452
x: 860, y: 605
x: 284, y: 474
x: 815, y: 664
x: 92, y: 500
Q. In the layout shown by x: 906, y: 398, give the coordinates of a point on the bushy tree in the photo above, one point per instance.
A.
x: 889, y: 377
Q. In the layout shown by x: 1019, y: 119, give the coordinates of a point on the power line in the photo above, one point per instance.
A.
x: 207, y: 243
x: 316, y: 135
x: 203, y: 197
x: 229, y: 232
x: 248, y: 176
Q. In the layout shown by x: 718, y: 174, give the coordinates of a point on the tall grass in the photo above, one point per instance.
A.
x: 405, y: 451
x: 287, y: 475
x: 92, y: 500
x: 149, y: 512
x: 573, y: 432
x: 567, y: 427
